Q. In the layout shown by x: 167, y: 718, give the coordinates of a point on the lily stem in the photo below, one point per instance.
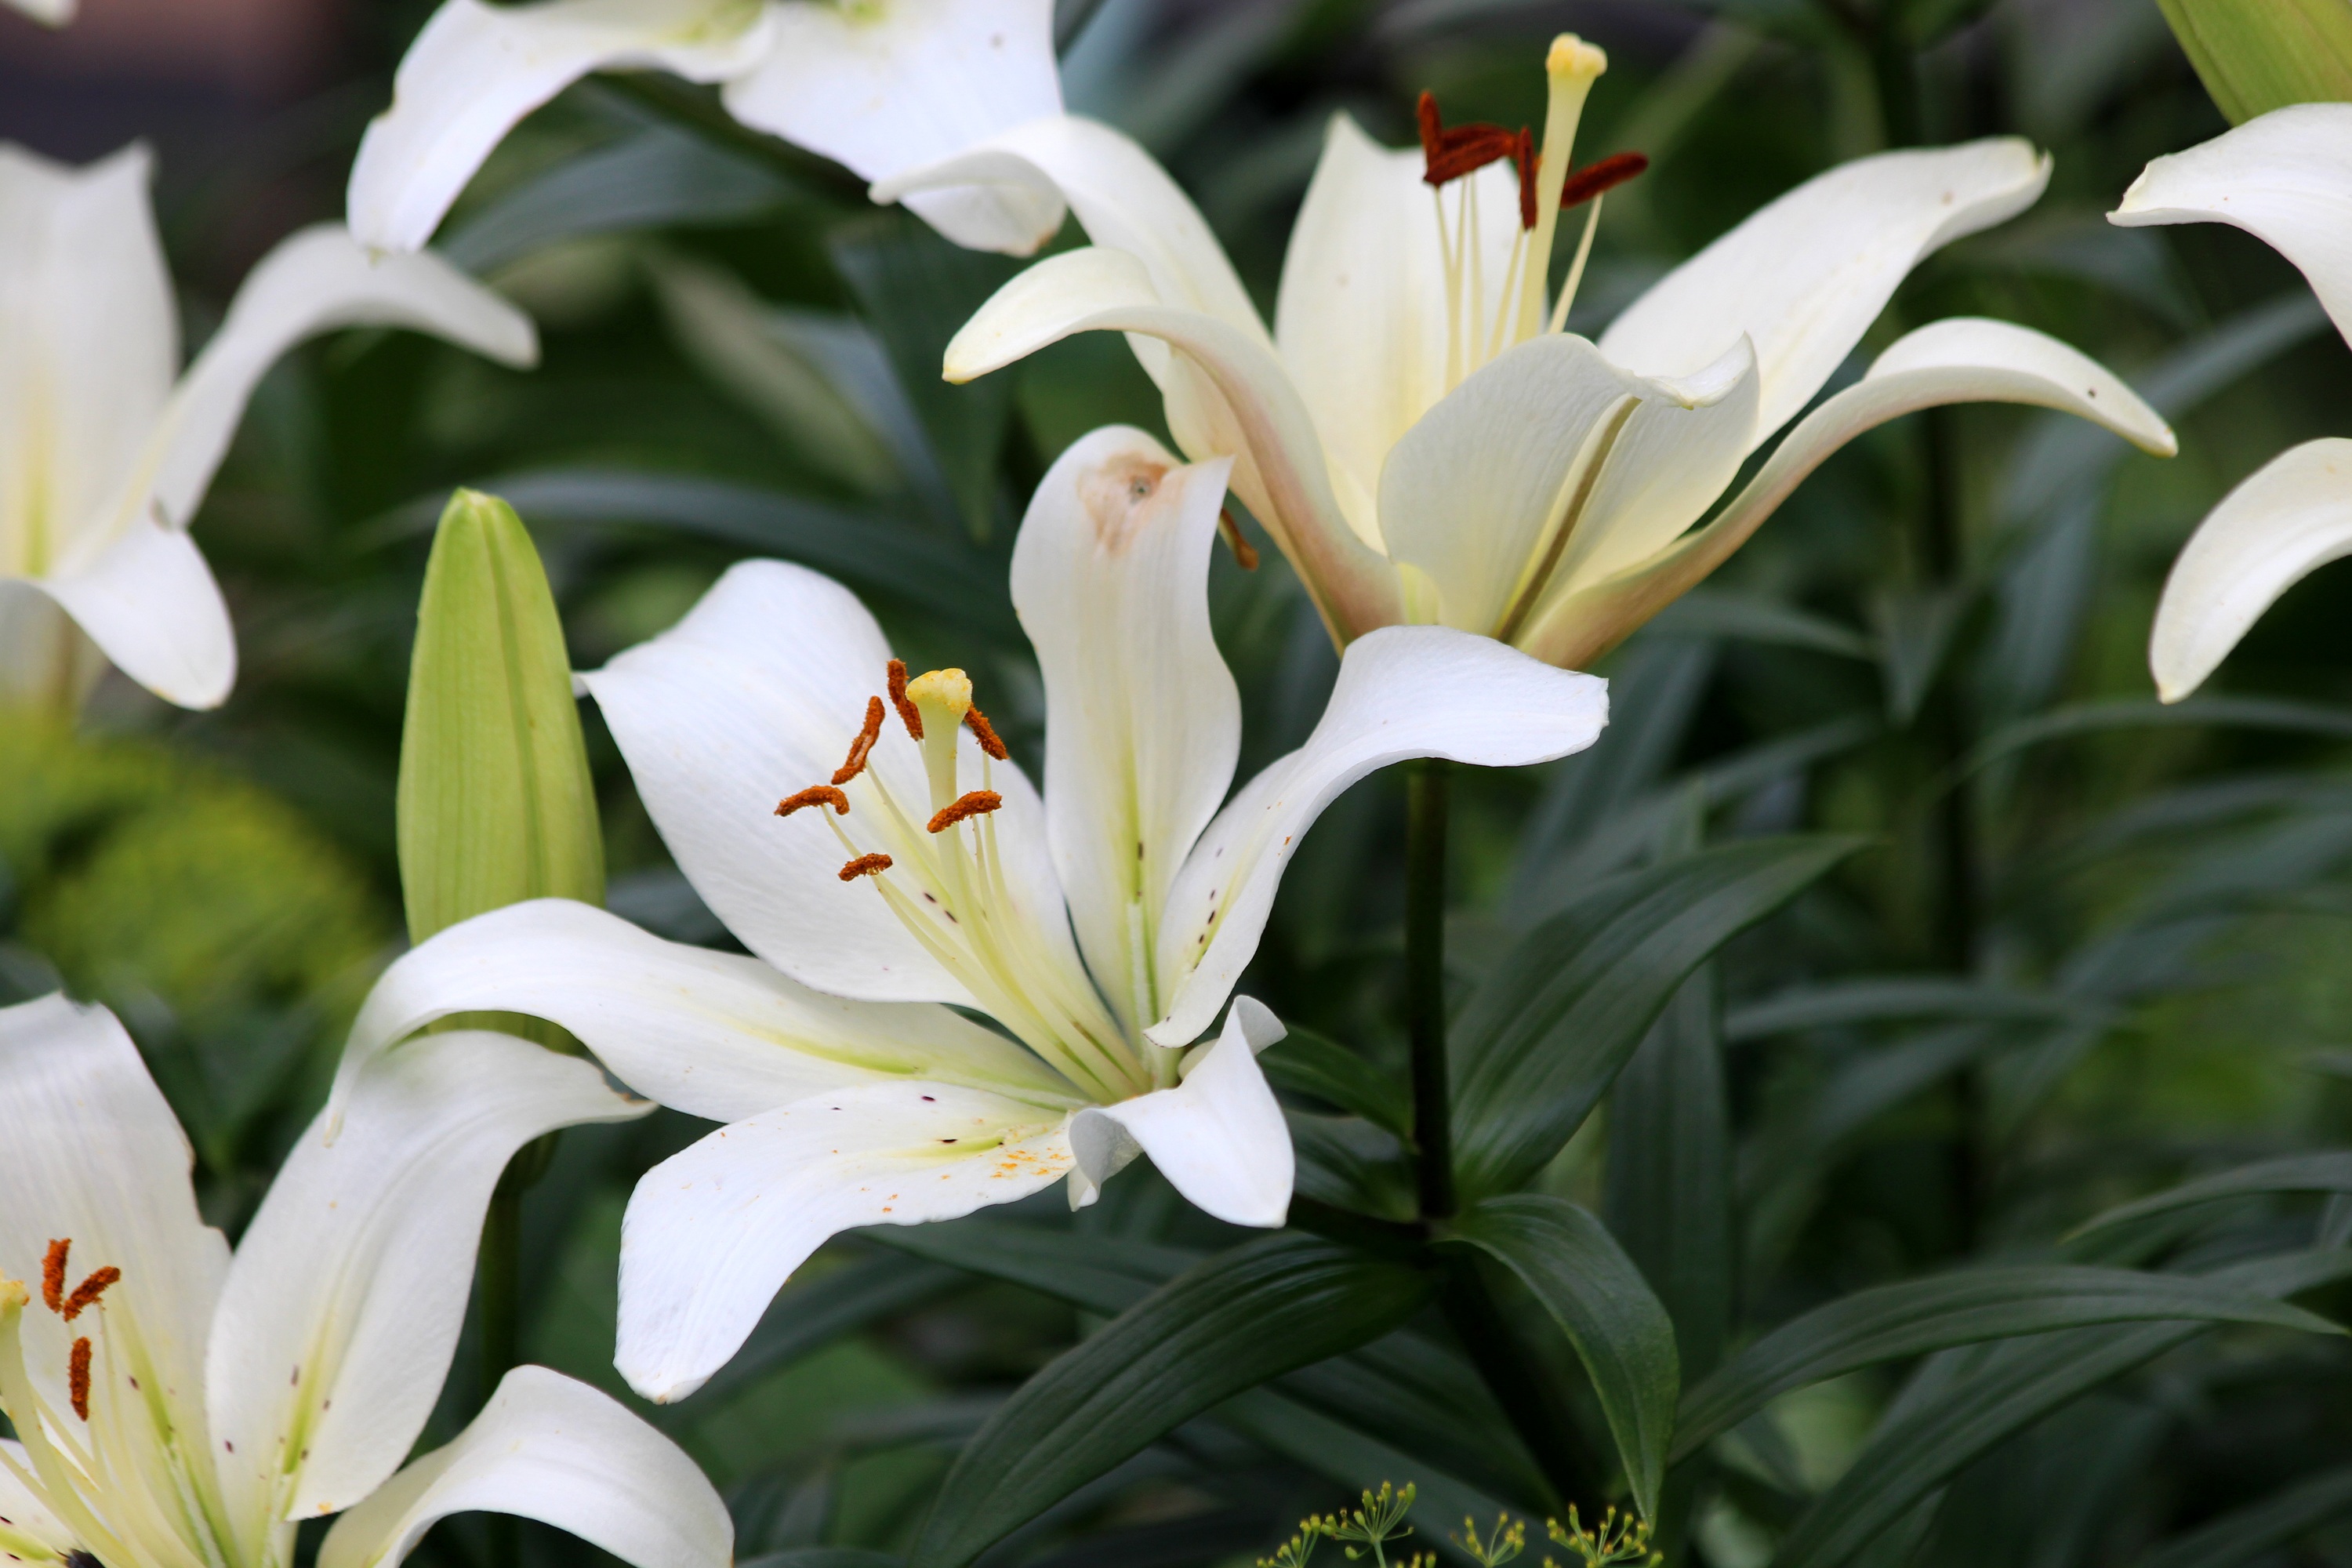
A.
x: 498, y: 1280
x: 1425, y: 971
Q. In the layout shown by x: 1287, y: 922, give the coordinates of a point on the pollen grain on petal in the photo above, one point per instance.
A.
x: 979, y: 803
x: 862, y: 747
x: 907, y: 715
x: 864, y: 866
x: 78, y: 1378
x: 87, y: 1293
x: 1583, y: 184
x: 53, y: 1275
x: 977, y: 722
x: 815, y: 794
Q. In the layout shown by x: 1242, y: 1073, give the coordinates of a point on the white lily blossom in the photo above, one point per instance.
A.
x: 2285, y: 178
x: 880, y: 86
x: 1418, y: 432
x: 55, y: 12
x: 1102, y: 926
x: 106, y: 448
x: 179, y: 1405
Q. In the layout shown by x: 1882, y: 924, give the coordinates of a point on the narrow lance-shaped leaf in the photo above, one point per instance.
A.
x: 2294, y: 1173
x: 2254, y: 56
x: 496, y: 805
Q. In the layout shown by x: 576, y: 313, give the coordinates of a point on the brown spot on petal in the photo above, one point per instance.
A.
x: 1119, y: 497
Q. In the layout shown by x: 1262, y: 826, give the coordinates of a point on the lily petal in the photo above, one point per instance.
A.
x: 1361, y: 319
x: 151, y: 605
x: 89, y: 341
x: 1218, y: 1137
x: 549, y: 1448
x: 715, y: 1035
x: 1550, y: 457
x: 476, y: 70
x: 21, y: 1515
x: 897, y: 86
x: 342, y: 1310
x: 315, y: 280
x: 2283, y: 178
x: 713, y: 1233
x: 96, y: 1157
x: 2284, y: 521
x: 1806, y: 275
x: 1142, y: 720
x: 1958, y: 360
x: 1403, y: 692
x: 1279, y: 469
x: 46, y: 663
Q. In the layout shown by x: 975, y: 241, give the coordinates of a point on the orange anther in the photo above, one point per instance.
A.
x: 1244, y: 554
x: 864, y: 866
x: 862, y: 747
x: 1583, y: 185
x: 815, y: 794
x: 53, y: 1275
x: 78, y: 1378
x: 1450, y: 152
x: 979, y: 803
x: 907, y: 715
x: 977, y: 722
x: 87, y: 1293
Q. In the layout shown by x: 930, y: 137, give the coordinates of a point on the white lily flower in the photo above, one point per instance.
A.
x: 2285, y: 178
x: 179, y: 1407
x: 55, y: 12
x: 104, y: 456
x: 1102, y: 926
x: 1419, y: 434
x: 878, y: 85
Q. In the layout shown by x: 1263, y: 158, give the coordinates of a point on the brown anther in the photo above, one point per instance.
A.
x: 87, y: 1293
x: 815, y: 794
x: 1244, y: 554
x: 53, y: 1275
x: 1450, y: 152
x: 898, y: 699
x: 1524, y: 155
x: 979, y: 803
x: 78, y: 1378
x: 862, y: 747
x: 1583, y: 185
x: 864, y: 866
x: 985, y: 733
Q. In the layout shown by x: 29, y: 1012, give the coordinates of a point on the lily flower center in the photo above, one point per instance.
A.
x: 1478, y: 328
x: 938, y: 864
x: 111, y: 1466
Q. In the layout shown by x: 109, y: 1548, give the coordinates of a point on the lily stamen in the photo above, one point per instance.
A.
x: 866, y: 866
x: 78, y: 1378
x: 897, y: 687
x: 815, y: 794
x: 975, y: 804
x: 87, y: 1293
x: 985, y: 733
x: 1606, y: 174
x: 53, y: 1275
x: 862, y: 747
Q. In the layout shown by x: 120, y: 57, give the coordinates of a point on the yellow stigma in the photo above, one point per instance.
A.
x: 944, y: 691
x: 1572, y: 57
x: 13, y: 1295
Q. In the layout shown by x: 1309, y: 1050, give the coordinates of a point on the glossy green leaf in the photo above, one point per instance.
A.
x: 1105, y: 1274
x: 1918, y: 1316
x: 494, y: 801
x: 2295, y: 1173
x: 822, y: 1557
x: 1238, y: 1319
x: 2254, y: 56
x: 2259, y: 1527
x: 1542, y: 1040
x: 1925, y: 1441
x: 1574, y: 1266
x: 806, y: 1318
x: 1358, y: 1460
x: 1307, y: 1063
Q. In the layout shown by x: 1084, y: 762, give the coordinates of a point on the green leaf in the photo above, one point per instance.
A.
x: 2295, y: 1173
x: 807, y: 1318
x: 1922, y: 1315
x: 2254, y: 56
x: 1669, y: 1175
x: 1104, y: 1274
x: 1925, y: 1441
x: 1358, y: 1460
x: 1622, y: 1334
x: 1866, y: 1000
x: 822, y: 1557
x: 1238, y: 1319
x: 1307, y: 1063
x: 494, y: 801
x: 1539, y: 1042
x: 2259, y: 1527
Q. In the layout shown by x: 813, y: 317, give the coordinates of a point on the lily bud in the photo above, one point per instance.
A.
x: 495, y: 805
x: 2254, y: 56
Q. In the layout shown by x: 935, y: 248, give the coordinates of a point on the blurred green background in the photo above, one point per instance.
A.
x: 2093, y: 947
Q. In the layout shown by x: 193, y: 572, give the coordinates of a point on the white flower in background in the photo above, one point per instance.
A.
x: 878, y: 84
x: 104, y: 456
x: 55, y: 12
x: 1419, y: 434
x: 917, y: 871
x: 2286, y: 179
x: 179, y: 1407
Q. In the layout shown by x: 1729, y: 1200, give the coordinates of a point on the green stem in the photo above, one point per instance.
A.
x: 1511, y: 1371
x: 1424, y: 973
x: 498, y: 1281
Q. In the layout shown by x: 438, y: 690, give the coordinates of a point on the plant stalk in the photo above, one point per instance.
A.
x: 1424, y: 961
